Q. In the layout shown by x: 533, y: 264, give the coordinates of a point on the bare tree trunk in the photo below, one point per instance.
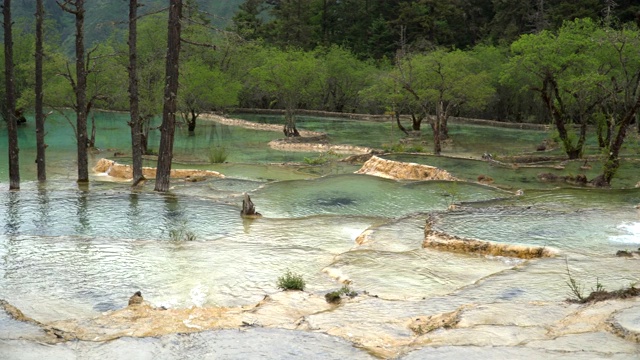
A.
x: 437, y: 141
x: 558, y: 115
x: 40, y: 145
x: 613, y: 160
x: 10, y: 116
x: 191, y: 117
x: 81, y: 96
x: 167, y: 130
x: 76, y: 7
x: 290, y: 129
x: 135, y: 122
x: 396, y: 114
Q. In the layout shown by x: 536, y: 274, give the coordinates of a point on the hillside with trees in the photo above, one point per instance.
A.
x: 573, y: 65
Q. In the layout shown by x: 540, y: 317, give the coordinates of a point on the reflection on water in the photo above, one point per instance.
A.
x: 71, y: 252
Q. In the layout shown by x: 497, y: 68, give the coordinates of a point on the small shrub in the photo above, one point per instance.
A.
x: 320, y: 160
x: 291, y: 281
x: 577, y: 289
x: 182, y: 233
x: 335, y: 297
x: 218, y: 154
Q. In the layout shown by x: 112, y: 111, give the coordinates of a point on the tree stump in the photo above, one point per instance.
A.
x: 248, y: 209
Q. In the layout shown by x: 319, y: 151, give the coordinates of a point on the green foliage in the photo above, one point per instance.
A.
x: 218, y: 154
x: 182, y: 234
x: 321, y: 159
x: 401, y: 147
x: 204, y: 88
x: 576, y: 288
x: 291, y: 281
x: 334, y: 297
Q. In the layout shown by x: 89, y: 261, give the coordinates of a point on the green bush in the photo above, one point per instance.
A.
x: 291, y: 281
x: 182, y: 233
x: 218, y: 154
x: 335, y: 297
x: 403, y: 148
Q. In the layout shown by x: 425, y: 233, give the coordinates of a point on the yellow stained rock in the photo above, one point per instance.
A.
x: 122, y: 171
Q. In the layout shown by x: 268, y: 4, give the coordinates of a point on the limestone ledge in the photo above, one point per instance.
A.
x: 442, y: 241
x: 122, y: 171
x: 397, y: 170
x: 378, y: 326
x: 255, y: 126
x: 284, y: 144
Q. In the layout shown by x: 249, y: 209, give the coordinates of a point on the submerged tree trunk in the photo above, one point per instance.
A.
x: 136, y: 122
x: 10, y: 115
x: 248, y: 209
x: 39, y: 108
x: 167, y: 130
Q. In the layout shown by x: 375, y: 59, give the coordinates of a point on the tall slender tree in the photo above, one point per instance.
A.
x: 136, y: 122
x: 10, y: 108
x: 76, y: 8
x: 168, y: 127
x: 40, y: 145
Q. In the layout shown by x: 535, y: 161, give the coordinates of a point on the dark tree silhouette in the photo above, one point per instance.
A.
x: 136, y: 122
x: 168, y: 127
x: 10, y: 108
x: 76, y: 8
x: 40, y: 145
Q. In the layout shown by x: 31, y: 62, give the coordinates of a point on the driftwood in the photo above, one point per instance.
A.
x: 248, y: 209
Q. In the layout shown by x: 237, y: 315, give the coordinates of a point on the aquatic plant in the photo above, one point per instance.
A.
x: 403, y: 148
x: 218, y: 154
x: 291, y: 281
x: 320, y: 160
x: 182, y: 233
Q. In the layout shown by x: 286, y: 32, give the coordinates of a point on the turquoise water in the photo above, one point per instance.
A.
x: 68, y: 252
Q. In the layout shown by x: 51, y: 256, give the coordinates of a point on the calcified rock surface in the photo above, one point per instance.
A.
x: 442, y: 241
x: 311, y: 141
x: 397, y: 170
x: 122, y: 171
x: 287, y: 145
x: 255, y: 126
x: 393, y: 329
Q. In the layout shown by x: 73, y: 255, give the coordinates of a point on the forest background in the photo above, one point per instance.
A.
x: 573, y: 64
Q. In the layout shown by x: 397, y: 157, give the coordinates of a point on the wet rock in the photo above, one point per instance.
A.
x: 485, y: 179
x: 424, y: 325
x: 303, y: 145
x: 397, y: 170
x: 626, y: 324
x: 600, y: 342
x: 628, y: 253
x: 357, y: 159
x: 624, y: 253
x: 125, y: 172
x: 136, y: 298
x: 579, y: 179
x: 442, y: 241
